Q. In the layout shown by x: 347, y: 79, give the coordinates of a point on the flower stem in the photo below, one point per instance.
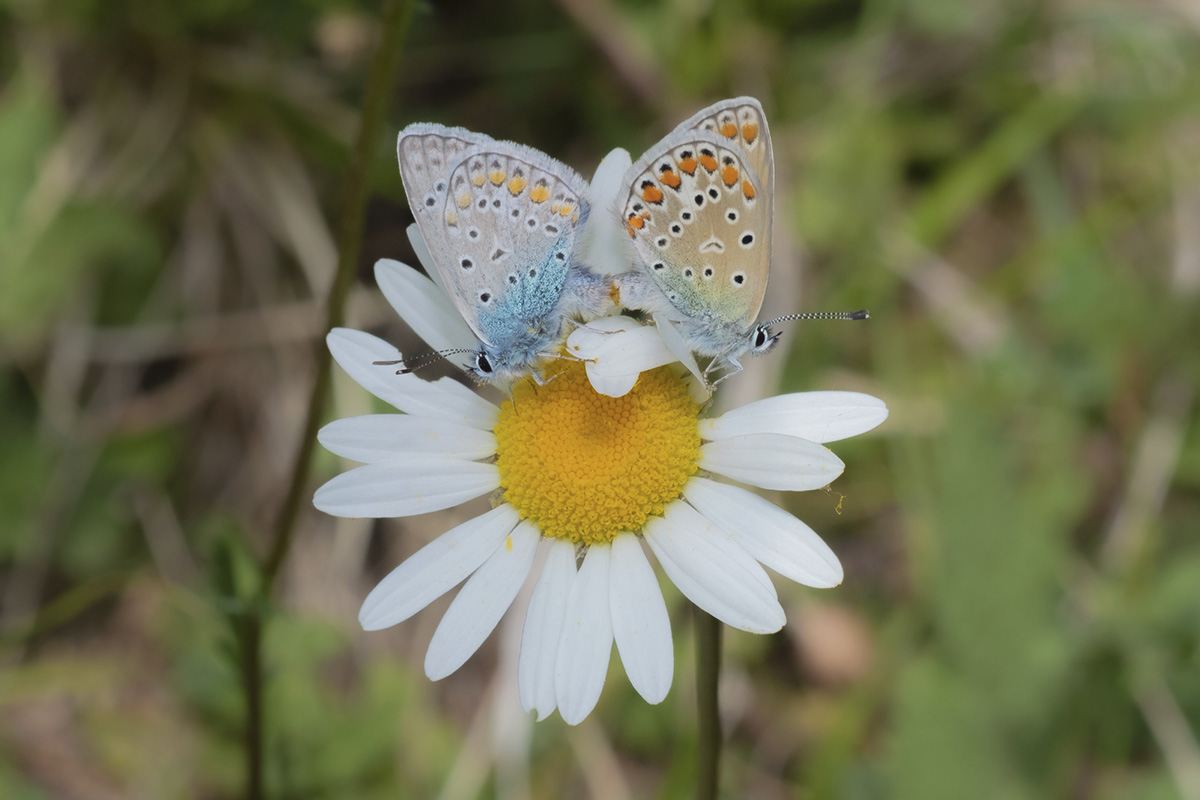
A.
x: 250, y: 627
x: 708, y: 669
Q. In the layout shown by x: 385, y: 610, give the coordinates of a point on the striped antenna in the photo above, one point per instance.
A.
x: 861, y: 314
x: 418, y: 362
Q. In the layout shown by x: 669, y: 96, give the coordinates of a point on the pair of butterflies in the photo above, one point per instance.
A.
x: 504, y: 225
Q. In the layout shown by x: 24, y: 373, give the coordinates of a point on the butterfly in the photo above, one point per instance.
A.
x: 698, y: 209
x: 502, y: 223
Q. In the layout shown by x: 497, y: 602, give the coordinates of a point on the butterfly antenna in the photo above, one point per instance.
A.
x: 419, y: 362
x: 861, y: 314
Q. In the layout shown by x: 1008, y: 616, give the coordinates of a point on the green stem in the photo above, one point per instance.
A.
x: 708, y: 669
x: 394, y: 28
x: 379, y: 88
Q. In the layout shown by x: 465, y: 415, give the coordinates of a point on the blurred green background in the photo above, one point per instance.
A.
x: 1012, y: 188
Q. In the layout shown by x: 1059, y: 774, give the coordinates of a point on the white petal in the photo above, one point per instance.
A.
x: 774, y: 537
x: 680, y: 347
x: 481, y: 602
x: 605, y: 246
x: 423, y: 256
x: 446, y: 398
x: 436, y: 568
x: 772, y: 461
x: 543, y: 626
x: 713, y: 571
x: 640, y: 623
x: 587, y: 639
x: 424, y: 306
x: 615, y: 351
x: 401, y: 489
x: 385, y: 437
x: 816, y: 416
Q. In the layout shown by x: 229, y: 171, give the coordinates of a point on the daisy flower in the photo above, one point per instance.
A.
x: 587, y: 478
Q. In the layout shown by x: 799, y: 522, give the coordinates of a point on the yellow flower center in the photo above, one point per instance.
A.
x: 583, y: 466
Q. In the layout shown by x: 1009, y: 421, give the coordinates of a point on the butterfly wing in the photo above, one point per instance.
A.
x: 502, y: 222
x: 698, y: 209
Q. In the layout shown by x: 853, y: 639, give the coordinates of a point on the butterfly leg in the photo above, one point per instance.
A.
x: 731, y: 362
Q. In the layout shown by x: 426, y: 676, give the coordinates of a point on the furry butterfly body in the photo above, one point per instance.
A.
x: 502, y: 223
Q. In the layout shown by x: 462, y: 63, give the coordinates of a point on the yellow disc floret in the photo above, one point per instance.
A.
x: 583, y: 466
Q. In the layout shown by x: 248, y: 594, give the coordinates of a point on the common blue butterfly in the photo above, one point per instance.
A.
x: 502, y: 223
x: 698, y: 208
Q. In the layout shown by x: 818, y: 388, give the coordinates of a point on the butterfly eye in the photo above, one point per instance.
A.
x: 482, y: 364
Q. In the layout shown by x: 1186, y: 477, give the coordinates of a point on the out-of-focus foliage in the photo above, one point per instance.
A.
x: 1012, y: 188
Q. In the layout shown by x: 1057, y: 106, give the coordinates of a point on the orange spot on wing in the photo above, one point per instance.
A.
x: 671, y: 179
x: 479, y: 179
x: 708, y: 162
x: 652, y: 194
x: 497, y: 177
x: 749, y: 132
x: 729, y: 130
x: 517, y: 185
x: 463, y: 200
x: 729, y: 175
x: 539, y: 194
x: 566, y: 210
x: 636, y: 222
x: 688, y: 165
x: 748, y: 190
